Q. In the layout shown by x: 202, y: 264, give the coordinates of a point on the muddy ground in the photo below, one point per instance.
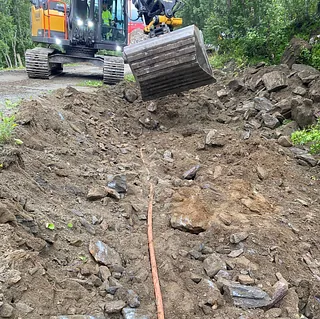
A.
x: 237, y: 237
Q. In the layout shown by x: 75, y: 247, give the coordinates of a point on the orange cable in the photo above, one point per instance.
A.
x: 153, y: 262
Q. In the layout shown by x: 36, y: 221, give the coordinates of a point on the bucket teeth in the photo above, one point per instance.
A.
x: 169, y: 64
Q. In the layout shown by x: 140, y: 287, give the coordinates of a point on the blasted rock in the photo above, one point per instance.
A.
x: 213, y: 264
x: 315, y: 92
x: 104, y: 254
x: 130, y: 313
x: 275, y: 81
x: 114, y: 306
x: 293, y: 50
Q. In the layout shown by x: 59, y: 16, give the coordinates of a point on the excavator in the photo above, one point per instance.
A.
x: 169, y: 61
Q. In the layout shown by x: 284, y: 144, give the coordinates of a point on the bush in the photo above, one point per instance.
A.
x: 309, y: 136
x: 7, y: 125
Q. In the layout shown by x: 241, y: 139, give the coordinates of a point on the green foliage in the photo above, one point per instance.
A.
x: 129, y: 78
x: 311, y: 57
x: 7, y: 125
x: 91, y: 83
x: 50, y: 226
x: 309, y: 136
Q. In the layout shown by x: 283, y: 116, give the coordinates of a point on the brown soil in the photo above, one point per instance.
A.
x: 75, y: 141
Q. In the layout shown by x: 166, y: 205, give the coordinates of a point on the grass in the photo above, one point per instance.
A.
x: 91, y: 83
x: 309, y: 136
x: 129, y: 78
x: 72, y: 64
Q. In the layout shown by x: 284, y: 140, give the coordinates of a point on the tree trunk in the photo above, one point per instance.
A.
x: 14, y: 47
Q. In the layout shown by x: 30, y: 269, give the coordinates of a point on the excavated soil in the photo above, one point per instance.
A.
x: 76, y: 143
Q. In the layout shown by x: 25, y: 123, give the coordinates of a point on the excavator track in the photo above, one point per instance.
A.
x: 171, y: 63
x: 113, y: 70
x: 37, y: 63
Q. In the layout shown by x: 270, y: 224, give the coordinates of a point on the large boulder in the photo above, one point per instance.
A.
x: 306, y: 73
x: 293, y: 51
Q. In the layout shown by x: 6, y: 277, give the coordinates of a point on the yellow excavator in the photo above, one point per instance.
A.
x: 166, y: 62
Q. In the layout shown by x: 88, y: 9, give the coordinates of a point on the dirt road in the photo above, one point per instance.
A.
x: 15, y: 85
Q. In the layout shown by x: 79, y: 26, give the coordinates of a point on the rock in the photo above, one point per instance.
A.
x: 290, y: 303
x: 210, y: 294
x: 217, y: 172
x: 167, y: 156
x: 89, y: 228
x: 152, y: 107
x: 263, y: 104
x: 223, y: 249
x: 284, y: 141
x: 246, y: 297
x: 184, y: 223
x: 274, y: 81
x: 89, y: 268
x: 104, y: 254
x: 293, y: 51
x: 129, y: 313
x: 130, y: 95
x: 272, y: 313
x: 236, y: 84
x: 284, y: 108
x: 133, y: 299
x: 104, y: 273
x: 213, y: 264
x: 238, y: 237
x: 287, y: 129
x: 6, y: 310
x: 270, y: 121
x: 149, y: 123
x: 314, y: 92
x: 303, y: 115
x: 6, y: 216
x: 307, y: 158
x: 114, y: 306
x: 225, y: 219
x: 306, y: 73
x: 195, y: 278
x: 222, y: 93
x: 262, y: 173
x: 236, y: 253
x: 299, y: 91
x: 96, y: 193
x: 245, y: 280
x: 191, y: 173
x: 119, y: 184
x: 206, y: 250
x: 213, y: 139
x: 23, y: 308
x: 112, y: 193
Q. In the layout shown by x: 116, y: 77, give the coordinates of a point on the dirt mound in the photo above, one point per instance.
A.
x: 235, y: 211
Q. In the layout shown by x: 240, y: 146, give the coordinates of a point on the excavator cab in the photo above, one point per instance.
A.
x: 80, y: 31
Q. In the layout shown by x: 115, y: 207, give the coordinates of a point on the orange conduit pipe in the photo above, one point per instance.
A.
x: 153, y: 262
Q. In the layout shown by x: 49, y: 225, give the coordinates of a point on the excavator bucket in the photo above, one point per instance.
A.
x: 171, y: 63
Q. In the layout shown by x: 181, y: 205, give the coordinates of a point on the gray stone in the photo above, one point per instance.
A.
x: 96, y: 193
x: 152, y: 107
x: 288, y: 129
x: 130, y: 313
x: 213, y: 264
x: 274, y: 81
x: 273, y: 313
x: 223, y: 249
x: 114, y: 306
x: 300, y: 91
x: 6, y: 311
x: 284, y: 107
x: 245, y: 280
x: 222, y: 93
x: 238, y: 237
x: 184, y: 223
x: 306, y: 73
x: 236, y: 84
x: 213, y: 139
x: 104, y: 254
x: 263, y: 104
x: 167, y: 156
x: 195, y: 278
x: 270, y: 121
x: 284, y: 141
x: 236, y: 253
x: 133, y: 299
x: 262, y: 173
x: 246, y: 297
x: 104, y: 273
x: 130, y: 95
x: 191, y: 173
x: 314, y: 91
x: 23, y: 308
x: 119, y: 184
x: 303, y: 115
x: 89, y: 228
x: 308, y: 159
x: 293, y: 51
